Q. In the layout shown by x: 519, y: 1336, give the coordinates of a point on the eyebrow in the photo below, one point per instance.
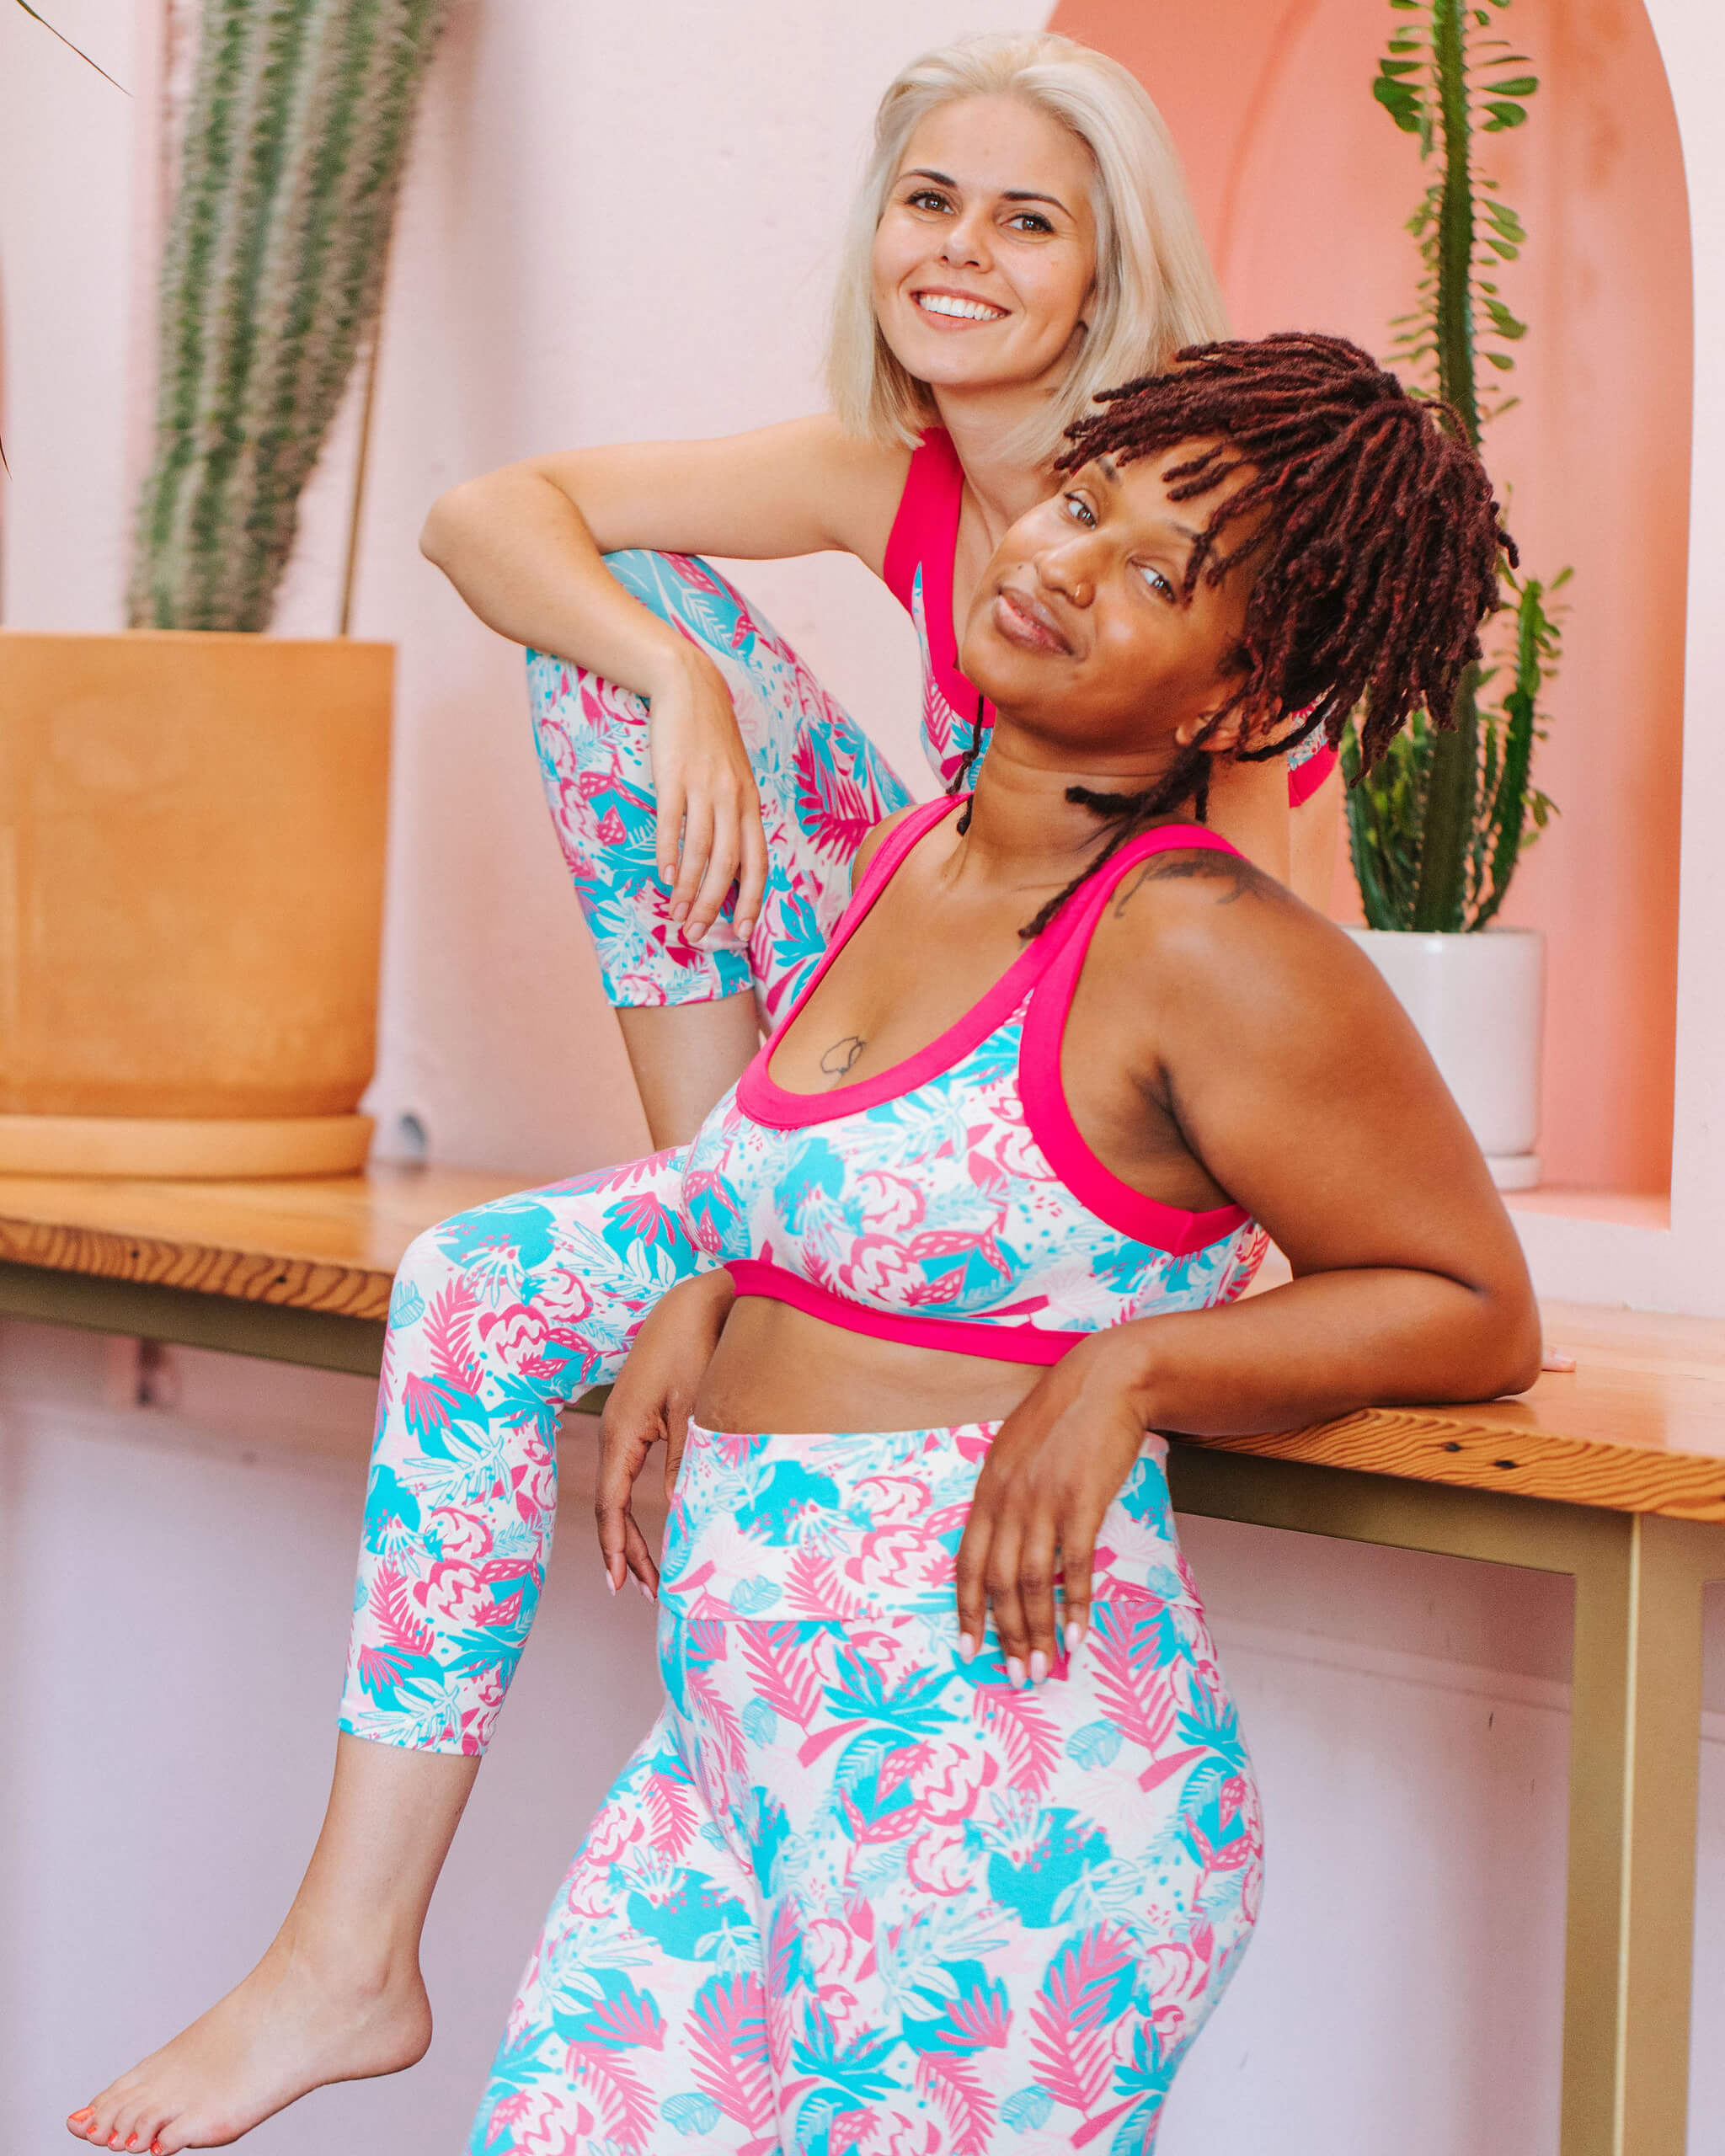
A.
x: 1007, y: 194
x: 1110, y: 471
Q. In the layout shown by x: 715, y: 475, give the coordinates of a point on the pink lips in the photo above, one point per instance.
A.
x: 1020, y: 620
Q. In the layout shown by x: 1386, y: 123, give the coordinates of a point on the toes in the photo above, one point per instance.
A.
x: 95, y: 2122
x: 137, y: 2123
x: 128, y: 2129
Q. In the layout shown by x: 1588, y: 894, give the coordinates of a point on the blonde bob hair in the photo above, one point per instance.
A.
x: 1155, y: 291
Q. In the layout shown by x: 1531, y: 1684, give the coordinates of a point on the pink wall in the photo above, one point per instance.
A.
x: 1302, y: 184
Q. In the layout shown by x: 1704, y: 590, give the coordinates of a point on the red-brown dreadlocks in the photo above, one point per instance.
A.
x: 1371, y: 524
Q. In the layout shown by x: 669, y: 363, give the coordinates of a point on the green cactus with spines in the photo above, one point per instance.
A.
x: 295, y: 143
x: 1437, y: 830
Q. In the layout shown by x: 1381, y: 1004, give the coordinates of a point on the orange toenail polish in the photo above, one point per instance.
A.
x: 88, y: 2112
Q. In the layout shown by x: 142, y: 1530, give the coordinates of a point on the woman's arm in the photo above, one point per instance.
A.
x: 1298, y: 1082
x: 651, y: 1401
x: 523, y: 547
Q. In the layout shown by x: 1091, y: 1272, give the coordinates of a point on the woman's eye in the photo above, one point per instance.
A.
x: 1030, y: 221
x: 1158, y: 582
x: 1079, y: 509
x: 926, y: 198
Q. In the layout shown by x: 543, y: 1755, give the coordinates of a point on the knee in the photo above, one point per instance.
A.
x: 429, y: 1265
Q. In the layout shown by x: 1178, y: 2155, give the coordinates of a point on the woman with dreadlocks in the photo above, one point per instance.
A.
x: 946, y: 1837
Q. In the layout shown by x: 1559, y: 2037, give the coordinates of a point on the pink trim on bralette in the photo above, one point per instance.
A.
x: 1169, y: 1228
x: 758, y: 1094
x: 1305, y: 779
x: 998, y: 1344
x: 926, y: 532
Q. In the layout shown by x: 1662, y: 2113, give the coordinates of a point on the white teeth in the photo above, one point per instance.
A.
x: 964, y: 310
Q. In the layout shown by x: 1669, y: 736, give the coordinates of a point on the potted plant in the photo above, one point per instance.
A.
x: 1437, y: 830
x: 192, y: 814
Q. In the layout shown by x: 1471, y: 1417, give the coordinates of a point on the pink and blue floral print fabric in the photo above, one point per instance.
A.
x: 498, y: 1317
x: 940, y: 1201
x: 822, y: 788
x: 853, y: 1897
x: 937, y: 1199
x: 502, y: 1314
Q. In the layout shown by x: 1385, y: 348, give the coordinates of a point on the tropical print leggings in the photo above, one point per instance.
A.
x: 853, y: 1897
x: 822, y: 785
x: 498, y: 1316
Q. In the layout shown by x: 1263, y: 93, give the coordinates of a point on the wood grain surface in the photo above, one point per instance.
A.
x: 1638, y: 1427
x: 331, y: 1244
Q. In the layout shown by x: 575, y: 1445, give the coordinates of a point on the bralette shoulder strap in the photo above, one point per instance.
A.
x: 927, y: 525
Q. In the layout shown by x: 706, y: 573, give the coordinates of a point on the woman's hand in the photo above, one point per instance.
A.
x: 709, y: 831
x: 1056, y: 1464
x: 651, y: 1400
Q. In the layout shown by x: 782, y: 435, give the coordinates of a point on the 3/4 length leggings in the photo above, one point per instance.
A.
x: 498, y: 1316
x: 853, y: 1897
x: 823, y: 787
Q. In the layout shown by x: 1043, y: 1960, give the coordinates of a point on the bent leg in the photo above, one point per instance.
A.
x: 822, y: 787
x: 686, y: 1056
x: 498, y: 1317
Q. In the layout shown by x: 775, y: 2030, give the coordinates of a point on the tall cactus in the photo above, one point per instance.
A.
x: 296, y: 139
x: 1438, y: 828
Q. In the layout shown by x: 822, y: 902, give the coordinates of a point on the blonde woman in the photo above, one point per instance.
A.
x: 1022, y: 237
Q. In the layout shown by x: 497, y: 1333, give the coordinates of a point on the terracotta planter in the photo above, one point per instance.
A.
x: 1479, y: 1002
x: 191, y: 888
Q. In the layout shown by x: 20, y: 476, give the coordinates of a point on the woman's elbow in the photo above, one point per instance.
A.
x: 1515, y: 1348
x: 442, y: 527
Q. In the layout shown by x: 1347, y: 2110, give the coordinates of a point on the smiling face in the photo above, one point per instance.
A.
x: 984, y: 258
x: 1079, y: 631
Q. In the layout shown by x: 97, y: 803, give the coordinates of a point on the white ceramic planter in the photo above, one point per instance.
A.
x: 1479, y: 1002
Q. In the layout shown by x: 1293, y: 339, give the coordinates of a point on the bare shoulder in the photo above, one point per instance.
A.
x: 1194, y: 922
x: 875, y: 839
x: 862, y: 480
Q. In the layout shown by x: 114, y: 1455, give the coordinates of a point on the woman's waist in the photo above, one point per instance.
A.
x: 781, y: 1368
x: 834, y: 1525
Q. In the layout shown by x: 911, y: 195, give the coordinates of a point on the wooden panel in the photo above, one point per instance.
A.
x: 1639, y: 1425
x: 330, y: 1245
x: 1510, y: 1446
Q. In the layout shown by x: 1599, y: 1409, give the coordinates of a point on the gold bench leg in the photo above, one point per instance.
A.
x: 1635, y: 1756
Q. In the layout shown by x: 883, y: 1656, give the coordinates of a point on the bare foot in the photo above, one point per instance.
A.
x: 292, y: 2025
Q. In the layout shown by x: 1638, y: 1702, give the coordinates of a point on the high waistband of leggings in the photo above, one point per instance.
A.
x: 832, y: 1525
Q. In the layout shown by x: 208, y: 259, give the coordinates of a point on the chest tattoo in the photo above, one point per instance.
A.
x: 837, y: 1059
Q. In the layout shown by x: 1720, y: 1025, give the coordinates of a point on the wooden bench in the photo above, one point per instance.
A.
x: 1614, y: 1474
